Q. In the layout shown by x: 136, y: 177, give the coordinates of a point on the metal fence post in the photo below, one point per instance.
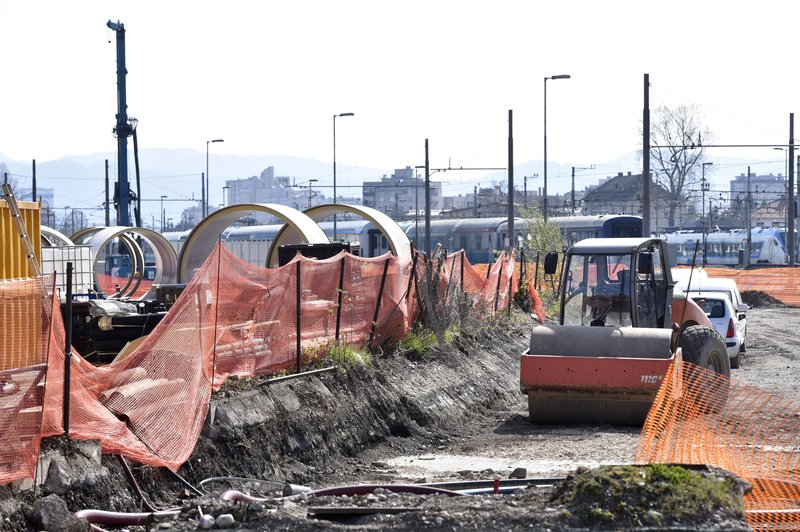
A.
x: 68, y: 349
x: 378, y: 303
x: 497, y: 290
x: 299, y: 303
x: 339, y: 299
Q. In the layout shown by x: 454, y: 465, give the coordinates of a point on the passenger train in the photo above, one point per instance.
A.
x: 480, y: 237
x: 768, y: 246
x: 575, y: 228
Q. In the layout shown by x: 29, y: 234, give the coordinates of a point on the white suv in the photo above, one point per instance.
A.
x: 725, y: 320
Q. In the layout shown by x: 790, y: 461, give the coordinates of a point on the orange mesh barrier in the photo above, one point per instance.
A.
x: 701, y: 418
x: 781, y: 283
x: 237, y: 319
x: 23, y: 357
x: 491, y: 284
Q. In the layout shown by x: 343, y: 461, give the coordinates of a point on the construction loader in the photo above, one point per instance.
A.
x: 621, y: 325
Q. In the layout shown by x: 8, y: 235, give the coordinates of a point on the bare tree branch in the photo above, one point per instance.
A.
x: 682, y: 131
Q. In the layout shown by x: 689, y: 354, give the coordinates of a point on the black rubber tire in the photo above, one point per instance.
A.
x: 704, y: 347
x: 735, y: 361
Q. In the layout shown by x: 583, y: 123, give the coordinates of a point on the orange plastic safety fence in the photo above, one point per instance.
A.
x: 699, y: 417
x: 238, y: 319
x: 487, y: 286
x: 781, y: 283
x: 23, y: 358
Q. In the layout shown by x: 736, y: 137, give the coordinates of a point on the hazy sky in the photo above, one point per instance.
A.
x: 268, y: 76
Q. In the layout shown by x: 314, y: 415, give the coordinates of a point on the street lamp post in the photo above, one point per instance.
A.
x: 334, y: 165
x: 544, y: 202
x: 65, y: 219
x: 703, y: 189
x: 163, y: 214
x: 206, y: 200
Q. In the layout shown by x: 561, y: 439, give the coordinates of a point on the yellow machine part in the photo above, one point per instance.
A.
x: 13, y: 257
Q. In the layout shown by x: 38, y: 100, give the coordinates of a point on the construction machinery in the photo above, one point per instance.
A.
x: 620, y: 327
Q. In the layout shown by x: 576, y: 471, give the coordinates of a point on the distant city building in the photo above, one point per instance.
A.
x: 46, y: 211
x: 622, y: 194
x: 401, y: 194
x: 764, y: 189
x: 269, y: 188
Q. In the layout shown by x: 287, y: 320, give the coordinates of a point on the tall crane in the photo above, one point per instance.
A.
x: 124, y: 128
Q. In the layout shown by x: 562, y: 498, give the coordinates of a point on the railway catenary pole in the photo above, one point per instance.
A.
x: 512, y: 244
x: 646, y: 158
x: 790, y: 214
x: 748, y: 250
x: 33, y: 180
x: 427, y: 202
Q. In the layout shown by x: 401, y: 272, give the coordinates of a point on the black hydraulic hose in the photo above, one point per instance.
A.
x: 186, y: 483
x: 132, y: 481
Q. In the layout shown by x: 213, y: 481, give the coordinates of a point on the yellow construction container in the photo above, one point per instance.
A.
x: 13, y: 254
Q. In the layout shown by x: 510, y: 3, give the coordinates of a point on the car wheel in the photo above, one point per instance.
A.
x: 735, y: 361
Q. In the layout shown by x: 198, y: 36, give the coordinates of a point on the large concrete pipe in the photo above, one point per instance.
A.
x: 299, y: 229
x: 397, y: 239
x: 165, y: 257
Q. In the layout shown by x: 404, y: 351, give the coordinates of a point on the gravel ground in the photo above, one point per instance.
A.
x: 772, y: 360
x: 495, y: 440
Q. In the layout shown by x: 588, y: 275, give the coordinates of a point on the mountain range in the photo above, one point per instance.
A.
x: 79, y: 181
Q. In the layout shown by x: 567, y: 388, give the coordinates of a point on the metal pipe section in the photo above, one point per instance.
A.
x: 124, y: 518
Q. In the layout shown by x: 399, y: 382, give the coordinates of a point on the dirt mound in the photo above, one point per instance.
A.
x: 759, y: 299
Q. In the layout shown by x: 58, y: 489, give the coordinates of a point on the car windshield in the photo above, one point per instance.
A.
x: 597, y: 290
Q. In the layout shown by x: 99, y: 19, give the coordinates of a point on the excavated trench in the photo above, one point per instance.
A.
x: 310, y: 430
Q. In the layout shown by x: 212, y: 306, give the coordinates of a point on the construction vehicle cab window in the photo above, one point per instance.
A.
x: 600, y: 290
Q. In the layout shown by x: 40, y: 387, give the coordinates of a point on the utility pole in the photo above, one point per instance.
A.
x: 646, y: 158
x: 790, y: 200
x: 704, y: 187
x: 33, y: 182
x: 572, y: 192
x: 512, y: 244
x: 746, y: 261
x: 108, y: 208
x: 427, y: 202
